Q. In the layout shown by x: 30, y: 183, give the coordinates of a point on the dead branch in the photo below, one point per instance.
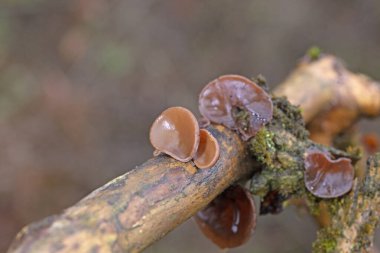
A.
x: 331, y: 97
x: 355, y: 216
x: 136, y: 209
x: 342, y: 98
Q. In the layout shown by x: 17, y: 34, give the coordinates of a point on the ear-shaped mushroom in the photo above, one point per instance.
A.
x: 176, y: 133
x: 230, y: 219
x: 327, y: 178
x: 237, y: 103
x: 208, y: 150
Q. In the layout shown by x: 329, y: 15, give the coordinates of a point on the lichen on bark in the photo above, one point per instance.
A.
x: 136, y: 209
x: 355, y: 217
x: 279, y: 148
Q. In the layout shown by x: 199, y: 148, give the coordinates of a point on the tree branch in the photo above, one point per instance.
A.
x: 136, y: 209
x: 354, y: 217
x: 332, y: 98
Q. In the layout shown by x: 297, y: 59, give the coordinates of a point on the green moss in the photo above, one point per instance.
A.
x: 291, y: 183
x: 288, y: 117
x: 261, y: 81
x: 326, y: 241
x: 263, y: 147
x: 259, y: 186
x: 242, y: 118
x: 287, y: 125
x: 314, y: 202
x: 314, y: 53
x: 286, y: 160
x: 287, y: 182
x: 277, y: 147
x: 335, y: 204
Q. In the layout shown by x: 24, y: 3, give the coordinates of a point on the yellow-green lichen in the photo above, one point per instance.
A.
x: 314, y: 53
x: 288, y: 117
x: 263, y: 148
x: 326, y: 241
x: 277, y: 147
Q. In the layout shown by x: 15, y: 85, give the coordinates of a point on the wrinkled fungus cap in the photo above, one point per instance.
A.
x: 237, y: 103
x: 208, y: 150
x: 176, y: 133
x: 327, y: 178
x: 230, y: 219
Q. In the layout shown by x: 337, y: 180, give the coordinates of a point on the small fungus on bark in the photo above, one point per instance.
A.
x: 230, y: 219
x: 176, y: 133
x: 237, y: 103
x: 208, y: 150
x: 327, y: 178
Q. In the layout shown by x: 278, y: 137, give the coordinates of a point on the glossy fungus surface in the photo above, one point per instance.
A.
x: 237, y: 103
x: 230, y: 219
x: 208, y: 150
x: 327, y: 178
x: 176, y: 133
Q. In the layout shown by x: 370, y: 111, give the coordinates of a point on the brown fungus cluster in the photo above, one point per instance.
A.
x: 327, y: 178
x: 231, y: 100
x: 230, y: 219
x: 237, y: 103
x: 176, y: 133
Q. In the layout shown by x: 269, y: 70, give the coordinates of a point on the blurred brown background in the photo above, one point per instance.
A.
x: 82, y: 80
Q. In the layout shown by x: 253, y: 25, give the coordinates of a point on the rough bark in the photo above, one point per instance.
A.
x: 334, y: 100
x: 136, y: 209
x: 354, y: 217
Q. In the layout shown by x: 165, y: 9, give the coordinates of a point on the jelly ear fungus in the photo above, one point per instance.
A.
x: 230, y: 219
x: 176, y: 133
x: 237, y: 103
x: 208, y: 150
x: 325, y: 177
